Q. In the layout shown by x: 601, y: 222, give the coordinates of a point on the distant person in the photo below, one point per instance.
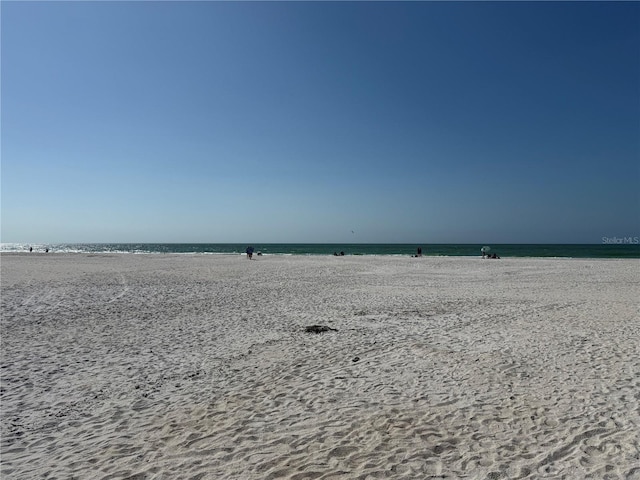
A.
x: 30, y: 249
x: 342, y: 254
x: 46, y: 250
x: 249, y: 252
x: 419, y: 252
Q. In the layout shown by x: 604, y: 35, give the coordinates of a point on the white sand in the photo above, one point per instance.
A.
x: 198, y: 367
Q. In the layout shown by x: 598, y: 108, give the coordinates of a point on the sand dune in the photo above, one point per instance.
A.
x: 199, y: 367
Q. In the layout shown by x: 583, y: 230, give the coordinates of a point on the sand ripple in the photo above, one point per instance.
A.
x: 198, y: 367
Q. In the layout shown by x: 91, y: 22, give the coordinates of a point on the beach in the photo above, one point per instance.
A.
x: 124, y: 366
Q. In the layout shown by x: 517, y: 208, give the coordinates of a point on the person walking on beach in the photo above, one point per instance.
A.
x: 249, y: 252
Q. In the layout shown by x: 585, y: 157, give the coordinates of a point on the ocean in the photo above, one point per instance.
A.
x: 614, y: 248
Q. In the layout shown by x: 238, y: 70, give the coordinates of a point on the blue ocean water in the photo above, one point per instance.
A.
x: 620, y: 248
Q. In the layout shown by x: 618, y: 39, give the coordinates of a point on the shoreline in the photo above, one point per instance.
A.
x: 466, y: 250
x: 199, y: 366
x: 304, y: 255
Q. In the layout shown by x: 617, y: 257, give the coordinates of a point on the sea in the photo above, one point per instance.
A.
x: 627, y: 247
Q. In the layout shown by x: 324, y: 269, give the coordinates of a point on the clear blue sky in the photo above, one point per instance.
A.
x: 423, y: 122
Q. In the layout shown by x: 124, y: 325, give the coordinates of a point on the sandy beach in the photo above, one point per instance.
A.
x: 199, y: 367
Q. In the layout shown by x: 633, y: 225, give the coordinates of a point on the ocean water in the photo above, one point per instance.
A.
x: 624, y: 248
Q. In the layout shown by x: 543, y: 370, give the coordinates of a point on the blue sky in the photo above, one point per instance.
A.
x: 428, y: 122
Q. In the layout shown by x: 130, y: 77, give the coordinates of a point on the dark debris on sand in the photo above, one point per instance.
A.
x: 318, y: 329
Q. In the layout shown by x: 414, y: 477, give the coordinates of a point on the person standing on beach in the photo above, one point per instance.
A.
x: 249, y: 252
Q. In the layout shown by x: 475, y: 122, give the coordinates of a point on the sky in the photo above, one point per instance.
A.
x: 320, y: 122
